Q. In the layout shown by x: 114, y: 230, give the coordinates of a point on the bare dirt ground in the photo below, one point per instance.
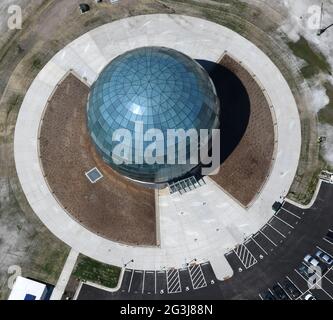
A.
x: 24, y: 241
x: 245, y: 171
x: 260, y: 22
x: 54, y: 23
x: 113, y: 207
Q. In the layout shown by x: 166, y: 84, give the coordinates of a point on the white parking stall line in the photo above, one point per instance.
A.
x: 324, y: 251
x: 173, y: 281
x: 259, y: 246
x: 303, y: 294
x: 203, y: 282
x: 320, y: 288
x: 285, y: 291
x: 317, y: 284
x: 326, y: 292
x: 312, y: 268
x: 282, y: 235
x: 140, y: 272
x: 245, y: 256
x: 328, y: 279
x: 155, y: 282
x: 268, y: 238
x: 293, y: 214
x: 295, y: 285
x: 271, y: 292
x: 261, y: 297
x: 328, y: 241
x: 286, y: 223
x: 237, y: 252
x: 253, y: 260
x: 309, y: 267
x: 301, y: 275
x: 153, y: 273
x: 197, y: 277
x: 130, y: 284
x: 143, y: 281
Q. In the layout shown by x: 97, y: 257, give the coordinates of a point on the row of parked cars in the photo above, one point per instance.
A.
x: 288, y: 290
x: 279, y: 292
x: 321, y: 260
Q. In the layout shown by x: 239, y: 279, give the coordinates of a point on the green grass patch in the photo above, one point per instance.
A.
x: 14, y: 100
x: 57, y: 256
x: 316, y: 61
x: 88, y: 269
x: 14, y: 103
x: 37, y: 63
x: 304, y: 198
x: 216, y: 11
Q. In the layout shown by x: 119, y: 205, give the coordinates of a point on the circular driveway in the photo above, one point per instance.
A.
x: 199, y: 39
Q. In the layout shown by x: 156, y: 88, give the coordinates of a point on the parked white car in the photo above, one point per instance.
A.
x: 324, y: 257
x: 309, y: 296
x: 311, y: 261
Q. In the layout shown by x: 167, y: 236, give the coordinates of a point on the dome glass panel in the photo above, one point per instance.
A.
x: 159, y: 88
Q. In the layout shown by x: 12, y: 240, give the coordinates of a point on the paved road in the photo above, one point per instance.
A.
x: 266, y: 259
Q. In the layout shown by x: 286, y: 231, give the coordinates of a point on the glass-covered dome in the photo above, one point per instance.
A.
x: 156, y: 87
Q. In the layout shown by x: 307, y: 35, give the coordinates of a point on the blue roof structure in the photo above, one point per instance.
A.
x: 158, y: 87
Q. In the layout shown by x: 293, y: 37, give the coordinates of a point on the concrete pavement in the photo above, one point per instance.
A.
x: 60, y: 287
x: 195, y: 236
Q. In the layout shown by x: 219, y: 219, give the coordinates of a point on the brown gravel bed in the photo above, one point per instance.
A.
x: 245, y: 171
x: 114, y: 207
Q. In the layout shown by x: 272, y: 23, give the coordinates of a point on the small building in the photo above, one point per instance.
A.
x: 26, y: 289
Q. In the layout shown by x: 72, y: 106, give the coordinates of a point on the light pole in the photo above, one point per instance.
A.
x: 126, y: 264
x: 193, y: 260
x: 322, y: 30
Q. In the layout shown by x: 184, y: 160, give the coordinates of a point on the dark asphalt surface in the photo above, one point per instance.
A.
x: 278, y: 250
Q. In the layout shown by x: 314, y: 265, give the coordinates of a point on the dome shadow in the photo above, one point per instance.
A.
x: 234, y: 104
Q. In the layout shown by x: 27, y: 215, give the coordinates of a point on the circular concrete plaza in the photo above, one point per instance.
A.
x: 116, y: 221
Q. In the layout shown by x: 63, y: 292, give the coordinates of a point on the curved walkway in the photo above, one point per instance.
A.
x: 181, y: 241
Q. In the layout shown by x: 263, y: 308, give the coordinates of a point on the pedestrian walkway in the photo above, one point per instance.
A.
x: 60, y: 287
x: 200, y: 225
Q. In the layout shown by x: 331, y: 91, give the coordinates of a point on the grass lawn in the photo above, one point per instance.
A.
x: 316, y: 61
x: 325, y: 115
x: 88, y: 269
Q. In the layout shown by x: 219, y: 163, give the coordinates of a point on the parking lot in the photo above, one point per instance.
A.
x: 271, y: 258
x: 194, y: 281
x: 171, y: 281
x: 266, y: 240
x: 319, y: 285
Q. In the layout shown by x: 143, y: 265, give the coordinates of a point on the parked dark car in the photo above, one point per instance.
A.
x: 305, y: 271
x: 291, y: 289
x: 279, y: 293
x: 268, y: 296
